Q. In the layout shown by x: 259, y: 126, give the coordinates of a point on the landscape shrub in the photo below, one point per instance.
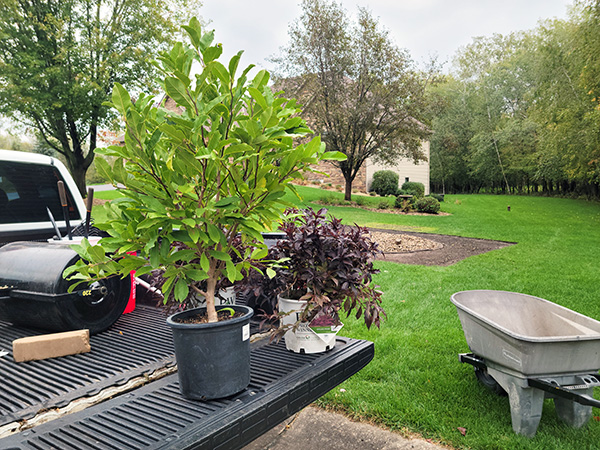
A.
x: 438, y: 197
x: 405, y: 204
x: 414, y: 188
x: 384, y: 204
x: 360, y: 200
x: 385, y: 182
x: 428, y: 205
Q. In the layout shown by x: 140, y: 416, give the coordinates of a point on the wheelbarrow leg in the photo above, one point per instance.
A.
x: 572, y: 413
x: 526, y: 403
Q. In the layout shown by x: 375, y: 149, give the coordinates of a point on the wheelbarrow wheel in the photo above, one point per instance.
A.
x: 489, y: 382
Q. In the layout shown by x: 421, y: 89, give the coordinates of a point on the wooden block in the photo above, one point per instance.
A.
x: 51, y: 345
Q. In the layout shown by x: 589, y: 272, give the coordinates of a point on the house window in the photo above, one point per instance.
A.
x: 406, y: 180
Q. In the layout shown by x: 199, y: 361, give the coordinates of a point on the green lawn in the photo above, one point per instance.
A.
x: 415, y: 382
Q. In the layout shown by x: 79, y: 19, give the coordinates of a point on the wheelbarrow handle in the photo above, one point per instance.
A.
x: 564, y: 392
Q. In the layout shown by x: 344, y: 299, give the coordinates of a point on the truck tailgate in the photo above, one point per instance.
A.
x: 156, y: 416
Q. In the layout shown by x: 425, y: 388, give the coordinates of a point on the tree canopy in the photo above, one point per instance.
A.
x: 359, y: 90
x: 60, y: 59
x: 521, y: 113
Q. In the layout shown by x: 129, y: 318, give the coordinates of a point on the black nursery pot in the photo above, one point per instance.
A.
x: 213, y: 359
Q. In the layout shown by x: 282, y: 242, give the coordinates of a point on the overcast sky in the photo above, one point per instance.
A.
x: 424, y: 27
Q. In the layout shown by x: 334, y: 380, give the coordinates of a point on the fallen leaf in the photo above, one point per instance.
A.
x: 462, y: 430
x: 597, y: 419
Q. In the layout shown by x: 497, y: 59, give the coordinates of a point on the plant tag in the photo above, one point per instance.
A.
x: 246, y: 332
x: 325, y: 333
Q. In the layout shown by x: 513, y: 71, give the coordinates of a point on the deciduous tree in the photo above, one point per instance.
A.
x: 359, y: 90
x: 59, y: 60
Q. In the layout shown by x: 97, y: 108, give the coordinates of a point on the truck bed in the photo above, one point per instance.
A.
x: 153, y: 414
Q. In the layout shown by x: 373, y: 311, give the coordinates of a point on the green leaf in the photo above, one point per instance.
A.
x: 221, y: 256
x: 206, y: 40
x: 196, y: 275
x: 261, y: 79
x: 181, y: 290
x: 121, y: 98
x: 231, y: 271
x: 233, y: 63
x: 177, y: 90
x: 334, y: 156
x: 258, y: 97
x: 260, y: 253
x: 226, y: 202
x: 271, y: 273
x: 220, y: 72
x: 194, y: 235
x: 194, y: 31
x: 214, y: 233
x: 204, y: 263
x: 212, y: 53
x: 103, y: 168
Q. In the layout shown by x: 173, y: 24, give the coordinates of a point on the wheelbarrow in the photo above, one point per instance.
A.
x: 532, y: 349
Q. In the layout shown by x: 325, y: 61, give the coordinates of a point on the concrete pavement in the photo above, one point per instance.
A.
x: 315, y: 428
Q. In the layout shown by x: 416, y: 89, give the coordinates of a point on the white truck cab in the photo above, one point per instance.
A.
x: 28, y: 189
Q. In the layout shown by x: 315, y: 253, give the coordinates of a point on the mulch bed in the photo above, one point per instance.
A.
x: 453, y: 249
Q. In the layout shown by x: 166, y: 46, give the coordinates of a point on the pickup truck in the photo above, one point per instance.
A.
x: 124, y: 393
x: 28, y: 189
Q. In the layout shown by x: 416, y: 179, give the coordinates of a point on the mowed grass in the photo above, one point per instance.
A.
x: 415, y: 383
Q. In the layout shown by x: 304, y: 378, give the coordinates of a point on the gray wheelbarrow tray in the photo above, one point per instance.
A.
x: 532, y: 347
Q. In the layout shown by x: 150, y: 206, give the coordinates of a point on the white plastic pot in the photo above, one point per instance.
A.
x: 303, y: 339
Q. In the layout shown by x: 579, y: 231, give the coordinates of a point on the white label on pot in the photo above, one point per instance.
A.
x: 246, y: 332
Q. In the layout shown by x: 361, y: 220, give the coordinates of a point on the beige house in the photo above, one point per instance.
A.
x: 406, y: 169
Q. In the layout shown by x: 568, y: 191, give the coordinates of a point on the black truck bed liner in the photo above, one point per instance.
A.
x: 156, y: 416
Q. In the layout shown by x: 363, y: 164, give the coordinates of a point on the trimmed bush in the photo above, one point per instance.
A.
x: 438, y: 197
x: 405, y: 204
x: 360, y: 200
x: 385, y: 182
x: 414, y: 188
x: 383, y: 204
x: 428, y: 205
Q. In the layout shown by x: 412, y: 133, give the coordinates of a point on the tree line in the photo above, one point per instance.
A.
x: 521, y: 113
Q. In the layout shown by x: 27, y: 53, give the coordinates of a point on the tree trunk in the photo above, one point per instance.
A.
x: 348, y: 189
x: 78, y: 174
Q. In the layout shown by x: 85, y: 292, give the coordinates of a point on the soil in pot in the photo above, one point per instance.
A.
x: 202, y: 317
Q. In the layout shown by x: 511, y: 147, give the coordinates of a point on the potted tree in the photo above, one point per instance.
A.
x: 325, y: 268
x: 195, y: 180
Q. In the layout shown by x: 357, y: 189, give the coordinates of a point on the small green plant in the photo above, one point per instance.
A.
x: 385, y: 182
x: 428, y: 205
x: 372, y: 193
x: 228, y: 310
x: 404, y: 204
x: 438, y: 197
x: 414, y: 188
x: 360, y: 200
x: 384, y: 204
